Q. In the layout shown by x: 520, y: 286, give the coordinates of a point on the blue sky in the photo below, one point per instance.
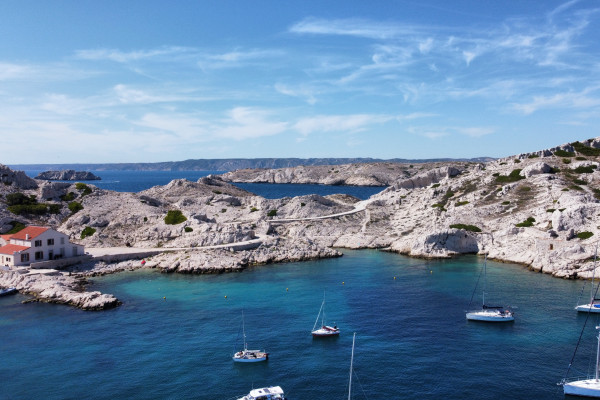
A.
x: 148, y: 81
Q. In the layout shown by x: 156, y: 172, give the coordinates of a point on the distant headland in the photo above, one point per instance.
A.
x: 230, y: 164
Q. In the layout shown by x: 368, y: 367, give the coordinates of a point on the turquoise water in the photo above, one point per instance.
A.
x: 174, y: 334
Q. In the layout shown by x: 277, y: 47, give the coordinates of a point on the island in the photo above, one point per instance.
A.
x: 67, y: 175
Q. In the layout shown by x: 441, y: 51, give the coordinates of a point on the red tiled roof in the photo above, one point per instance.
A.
x: 6, y: 237
x: 11, y: 248
x: 32, y: 231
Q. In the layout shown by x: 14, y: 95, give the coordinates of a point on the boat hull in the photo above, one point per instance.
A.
x: 250, y: 356
x: 585, y: 388
x: 326, y: 331
x: 593, y: 308
x: 490, y: 316
x: 6, y: 292
x: 267, y: 393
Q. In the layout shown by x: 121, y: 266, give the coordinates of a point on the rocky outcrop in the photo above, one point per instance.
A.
x: 67, y: 175
x: 16, y: 179
x: 57, y: 288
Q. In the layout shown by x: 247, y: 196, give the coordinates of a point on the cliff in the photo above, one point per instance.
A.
x: 67, y: 175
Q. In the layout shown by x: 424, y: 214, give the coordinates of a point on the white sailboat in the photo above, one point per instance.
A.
x: 594, y: 305
x: 324, y: 330
x: 489, y: 313
x: 249, y: 356
x: 266, y: 393
x: 589, y: 387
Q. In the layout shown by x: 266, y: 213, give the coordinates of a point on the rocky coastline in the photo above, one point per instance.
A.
x: 539, y: 209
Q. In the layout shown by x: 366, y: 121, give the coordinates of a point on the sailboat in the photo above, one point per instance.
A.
x: 594, y: 304
x: 489, y: 313
x: 324, y: 330
x: 249, y: 356
x: 586, y: 387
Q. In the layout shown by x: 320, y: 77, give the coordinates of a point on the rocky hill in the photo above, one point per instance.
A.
x: 538, y: 209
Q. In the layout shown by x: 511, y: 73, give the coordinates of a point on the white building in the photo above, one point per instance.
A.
x: 34, y: 244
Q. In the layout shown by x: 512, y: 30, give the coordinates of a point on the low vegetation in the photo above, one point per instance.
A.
x: 174, y: 217
x: 87, y: 231
x: 470, y: 228
x: 527, y: 223
x: 514, y: 176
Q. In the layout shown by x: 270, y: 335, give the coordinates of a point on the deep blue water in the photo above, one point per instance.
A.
x: 174, y: 334
x: 136, y: 181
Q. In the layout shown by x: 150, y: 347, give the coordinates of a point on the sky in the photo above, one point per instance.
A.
x: 87, y: 81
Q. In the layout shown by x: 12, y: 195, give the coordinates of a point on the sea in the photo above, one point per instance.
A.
x: 174, y: 334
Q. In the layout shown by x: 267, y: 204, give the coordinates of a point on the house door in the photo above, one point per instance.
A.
x: 51, y: 255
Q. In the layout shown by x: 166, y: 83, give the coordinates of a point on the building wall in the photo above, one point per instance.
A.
x: 49, y: 245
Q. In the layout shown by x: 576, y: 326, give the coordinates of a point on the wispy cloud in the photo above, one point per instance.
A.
x: 126, y: 57
x: 353, y: 27
x: 338, y: 123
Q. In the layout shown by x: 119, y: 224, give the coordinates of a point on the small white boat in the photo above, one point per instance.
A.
x: 589, y: 387
x: 489, y: 313
x: 324, y: 330
x: 267, y: 393
x: 6, y: 292
x: 594, y: 305
x: 249, y: 356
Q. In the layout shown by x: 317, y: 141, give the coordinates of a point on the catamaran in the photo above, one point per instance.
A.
x: 489, y: 313
x: 266, y: 393
x: 589, y: 387
x: 324, y: 330
x: 249, y: 356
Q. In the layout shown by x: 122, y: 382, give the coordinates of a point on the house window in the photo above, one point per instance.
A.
x: 25, y: 257
x: 39, y: 255
x: 38, y: 243
x: 50, y: 242
x: 74, y: 251
x: 62, y: 240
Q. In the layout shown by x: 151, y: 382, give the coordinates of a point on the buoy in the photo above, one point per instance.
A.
x: 431, y: 272
x: 164, y: 297
x: 286, y: 289
x: 343, y: 283
x: 394, y: 278
x: 225, y: 296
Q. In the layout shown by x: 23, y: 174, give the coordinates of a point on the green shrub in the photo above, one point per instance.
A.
x: 449, y: 193
x: 561, y: 209
x: 551, y: 210
x: 564, y: 190
x: 145, y: 219
x: 83, y: 188
x: 516, y: 161
x: 188, y: 229
x: 563, y: 153
x: 575, y: 187
x: 585, y: 235
x: 68, y: 197
x: 253, y: 209
x: 435, y: 185
x: 223, y: 210
x: 439, y: 205
x: 579, y: 158
x: 514, y: 176
x: 525, y: 189
x: 302, y: 204
x: 28, y: 209
x: 470, y: 228
x: 16, y: 227
x: 527, y: 223
x: 87, y: 231
x: 460, y: 203
x: 496, y: 174
x: 554, y: 170
x: 533, y: 156
x: 584, y: 170
x: 14, y: 199
x: 579, y: 182
x: 272, y: 213
x: 505, y: 203
x: 585, y: 150
x: 54, y: 208
x: 566, y: 161
x: 217, y: 192
x: 174, y: 217
x: 75, y: 206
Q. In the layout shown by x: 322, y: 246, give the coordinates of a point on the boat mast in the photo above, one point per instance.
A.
x: 593, y: 274
x: 352, y: 360
x: 597, y: 354
x: 484, y: 278
x: 244, y: 331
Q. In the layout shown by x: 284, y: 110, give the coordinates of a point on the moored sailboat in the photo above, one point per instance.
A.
x: 266, y: 393
x: 324, y: 330
x: 589, y: 387
x: 489, y: 313
x: 249, y: 356
x: 594, y: 305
